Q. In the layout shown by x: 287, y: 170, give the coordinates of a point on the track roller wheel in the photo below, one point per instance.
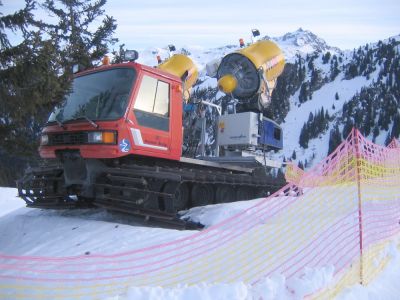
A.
x: 225, y: 193
x: 152, y: 200
x: 202, y: 194
x: 180, y: 199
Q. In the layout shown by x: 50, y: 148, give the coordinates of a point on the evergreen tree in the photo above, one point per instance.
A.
x: 303, y: 95
x: 334, y: 69
x: 304, y: 136
x: 294, y: 155
x: 348, y: 126
x: 326, y: 57
x: 396, y: 127
x: 388, y: 138
x: 84, y: 45
x: 375, y: 132
x: 30, y: 81
x: 35, y: 74
x: 336, y: 96
x: 334, y: 139
x: 352, y: 71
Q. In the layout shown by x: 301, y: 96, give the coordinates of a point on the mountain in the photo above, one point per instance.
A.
x: 301, y: 42
x: 322, y: 96
x: 293, y: 43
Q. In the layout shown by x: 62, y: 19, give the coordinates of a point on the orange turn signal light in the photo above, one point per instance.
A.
x: 106, y: 60
x: 108, y: 137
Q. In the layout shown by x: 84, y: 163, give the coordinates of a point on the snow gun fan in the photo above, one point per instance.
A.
x: 250, y: 74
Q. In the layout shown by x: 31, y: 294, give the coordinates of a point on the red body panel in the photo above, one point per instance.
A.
x: 131, y: 137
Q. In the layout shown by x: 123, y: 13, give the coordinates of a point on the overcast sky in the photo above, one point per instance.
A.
x: 210, y: 23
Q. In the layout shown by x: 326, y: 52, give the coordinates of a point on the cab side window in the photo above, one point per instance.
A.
x: 151, y: 107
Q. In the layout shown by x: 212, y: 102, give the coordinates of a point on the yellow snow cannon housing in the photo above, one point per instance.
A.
x: 182, y: 66
x: 266, y: 55
x: 255, y: 69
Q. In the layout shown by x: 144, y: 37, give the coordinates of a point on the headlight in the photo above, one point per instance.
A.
x: 102, y: 137
x: 44, y: 140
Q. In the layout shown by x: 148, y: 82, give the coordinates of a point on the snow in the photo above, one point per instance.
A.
x: 213, y: 214
x: 302, y: 42
x: 385, y: 287
x: 298, y: 115
x: 25, y: 231
x: 10, y: 202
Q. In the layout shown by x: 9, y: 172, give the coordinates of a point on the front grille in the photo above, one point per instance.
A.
x: 68, y: 138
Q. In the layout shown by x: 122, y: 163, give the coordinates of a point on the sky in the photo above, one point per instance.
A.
x: 211, y: 23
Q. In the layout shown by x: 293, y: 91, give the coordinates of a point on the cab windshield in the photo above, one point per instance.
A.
x: 97, y: 96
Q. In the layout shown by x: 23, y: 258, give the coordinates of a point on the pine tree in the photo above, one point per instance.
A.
x: 388, y: 138
x: 326, y: 57
x: 334, y: 139
x: 352, y: 71
x: 304, y: 136
x: 35, y: 74
x: 303, y: 95
x: 348, y: 126
x: 30, y: 80
x: 84, y: 45
x: 396, y: 127
x: 294, y: 155
x: 336, y: 96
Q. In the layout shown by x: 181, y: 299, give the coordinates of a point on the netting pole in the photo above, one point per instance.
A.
x: 357, y: 154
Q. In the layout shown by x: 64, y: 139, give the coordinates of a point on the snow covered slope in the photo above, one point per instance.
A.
x: 25, y: 231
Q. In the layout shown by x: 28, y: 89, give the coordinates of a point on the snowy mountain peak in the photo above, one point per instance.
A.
x: 302, y: 37
x: 301, y: 42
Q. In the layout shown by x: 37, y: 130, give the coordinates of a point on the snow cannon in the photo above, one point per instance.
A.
x: 182, y: 66
x: 250, y: 74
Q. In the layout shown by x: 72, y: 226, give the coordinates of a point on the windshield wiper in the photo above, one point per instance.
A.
x: 61, y: 124
x: 87, y: 119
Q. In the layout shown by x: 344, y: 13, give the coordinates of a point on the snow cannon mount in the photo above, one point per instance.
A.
x: 116, y: 142
x: 248, y: 77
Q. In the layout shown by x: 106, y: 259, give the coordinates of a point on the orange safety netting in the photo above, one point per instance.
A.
x: 342, y: 213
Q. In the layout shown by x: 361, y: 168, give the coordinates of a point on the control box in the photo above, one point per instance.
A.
x: 238, y: 129
x: 249, y: 129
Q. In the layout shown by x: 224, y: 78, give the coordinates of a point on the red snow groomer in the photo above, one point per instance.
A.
x: 124, y: 137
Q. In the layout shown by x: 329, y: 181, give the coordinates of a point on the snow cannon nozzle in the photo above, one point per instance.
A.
x: 227, y: 84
